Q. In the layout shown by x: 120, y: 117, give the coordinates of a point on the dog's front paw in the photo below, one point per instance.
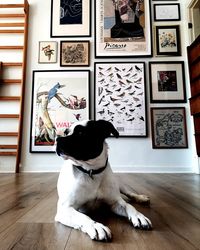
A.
x: 140, y: 221
x: 98, y: 231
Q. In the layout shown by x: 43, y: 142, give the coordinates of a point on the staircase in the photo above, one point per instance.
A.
x: 14, y: 35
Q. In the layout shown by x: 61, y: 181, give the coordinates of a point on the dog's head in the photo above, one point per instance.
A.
x: 84, y: 140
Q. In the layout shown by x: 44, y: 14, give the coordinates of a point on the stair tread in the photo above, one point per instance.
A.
x: 12, y: 5
x: 8, y: 133
x: 9, y: 153
x: 10, y: 81
x: 11, y: 47
x: 21, y: 24
x: 11, y: 31
x: 9, y: 98
x: 11, y: 64
x: 12, y: 15
x: 9, y: 115
x: 8, y: 146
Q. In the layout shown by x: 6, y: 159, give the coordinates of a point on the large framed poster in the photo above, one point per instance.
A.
x: 120, y: 96
x: 70, y: 18
x: 123, y: 28
x: 59, y: 98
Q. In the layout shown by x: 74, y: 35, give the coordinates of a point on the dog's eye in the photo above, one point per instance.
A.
x: 66, y: 132
x: 79, y: 130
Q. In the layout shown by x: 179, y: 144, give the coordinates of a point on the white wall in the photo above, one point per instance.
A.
x: 126, y: 154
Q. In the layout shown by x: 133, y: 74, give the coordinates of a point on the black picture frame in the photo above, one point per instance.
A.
x: 78, y: 25
x: 168, y: 41
x: 74, y: 53
x: 169, y: 128
x: 59, y: 98
x: 120, y: 96
x: 166, y: 12
x: 167, y: 82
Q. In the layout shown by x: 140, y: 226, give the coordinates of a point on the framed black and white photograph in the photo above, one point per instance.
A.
x: 59, y: 98
x: 168, y: 40
x: 120, y: 96
x: 167, y: 12
x: 48, y: 51
x: 123, y: 28
x: 74, y: 53
x: 70, y: 18
x: 167, y: 82
x: 169, y: 128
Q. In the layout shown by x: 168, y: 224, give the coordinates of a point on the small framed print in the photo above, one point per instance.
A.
x: 167, y: 12
x: 167, y: 82
x: 48, y: 51
x: 74, y: 53
x: 70, y: 18
x: 120, y: 96
x: 169, y: 128
x: 123, y: 28
x: 168, y: 40
x: 59, y: 98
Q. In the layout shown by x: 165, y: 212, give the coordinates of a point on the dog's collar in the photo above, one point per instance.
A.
x: 91, y: 172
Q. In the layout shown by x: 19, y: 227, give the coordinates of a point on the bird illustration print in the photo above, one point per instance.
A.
x: 120, y: 93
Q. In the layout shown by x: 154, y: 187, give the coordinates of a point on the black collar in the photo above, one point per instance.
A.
x: 92, y: 172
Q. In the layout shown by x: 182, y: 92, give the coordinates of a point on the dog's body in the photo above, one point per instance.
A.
x: 86, y: 180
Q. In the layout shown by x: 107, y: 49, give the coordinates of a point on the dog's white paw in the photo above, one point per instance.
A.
x: 98, y: 231
x: 140, y: 221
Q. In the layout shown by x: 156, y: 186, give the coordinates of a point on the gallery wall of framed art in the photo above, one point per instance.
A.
x: 107, y: 39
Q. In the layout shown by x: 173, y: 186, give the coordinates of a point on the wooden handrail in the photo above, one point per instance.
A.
x: 11, y: 6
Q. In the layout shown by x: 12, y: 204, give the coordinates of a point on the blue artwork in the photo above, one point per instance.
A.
x: 70, y: 12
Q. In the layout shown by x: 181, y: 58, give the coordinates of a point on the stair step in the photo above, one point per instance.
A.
x: 11, y: 153
x: 11, y: 31
x: 10, y: 98
x: 8, y: 134
x: 11, y: 24
x: 7, y: 146
x: 9, y: 116
x: 12, y: 15
x: 12, y: 6
x: 11, y: 47
x: 11, y: 64
x: 10, y: 81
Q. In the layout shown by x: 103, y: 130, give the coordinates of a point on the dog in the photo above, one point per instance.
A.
x: 86, y: 180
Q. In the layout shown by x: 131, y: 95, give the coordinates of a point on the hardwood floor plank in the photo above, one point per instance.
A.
x: 41, y: 236
x: 28, y: 206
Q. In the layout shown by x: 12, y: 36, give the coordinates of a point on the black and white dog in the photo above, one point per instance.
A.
x: 86, y: 179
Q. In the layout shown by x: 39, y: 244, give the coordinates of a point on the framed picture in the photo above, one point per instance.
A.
x: 74, y: 53
x: 167, y: 12
x: 48, y: 51
x: 120, y: 96
x: 59, y: 98
x: 70, y: 18
x: 123, y: 28
x: 167, y: 82
x: 169, y: 128
x: 168, y: 40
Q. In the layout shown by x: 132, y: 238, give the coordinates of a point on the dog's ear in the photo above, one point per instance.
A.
x: 105, y: 129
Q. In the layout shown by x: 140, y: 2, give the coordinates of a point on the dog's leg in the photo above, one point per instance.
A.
x: 122, y: 208
x: 72, y: 218
x: 138, y: 198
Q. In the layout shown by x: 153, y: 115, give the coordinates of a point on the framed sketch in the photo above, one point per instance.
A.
x: 167, y: 12
x: 74, y: 53
x: 70, y: 18
x: 169, y: 128
x: 167, y: 82
x: 59, y: 98
x: 48, y: 51
x: 123, y: 28
x: 168, y: 40
x: 120, y: 96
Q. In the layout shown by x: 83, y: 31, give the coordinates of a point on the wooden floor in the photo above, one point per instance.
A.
x: 28, y: 206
